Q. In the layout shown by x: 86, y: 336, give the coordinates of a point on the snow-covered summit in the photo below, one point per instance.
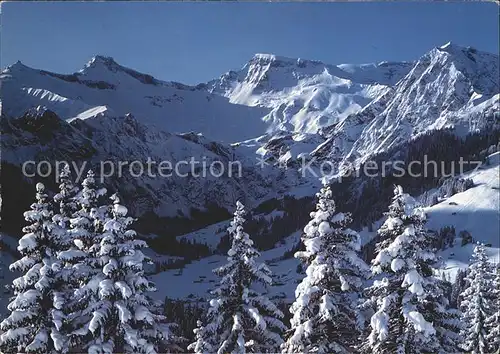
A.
x: 447, y: 46
x: 280, y: 60
x: 18, y: 65
x: 101, y: 60
x: 448, y: 87
x: 305, y: 95
x: 480, y: 67
x: 107, y: 69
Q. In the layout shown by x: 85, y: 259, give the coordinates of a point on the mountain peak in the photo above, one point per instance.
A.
x: 103, y: 60
x: 458, y: 50
x: 268, y: 59
x: 18, y: 65
x: 454, y: 49
x: 100, y: 66
x: 452, y: 46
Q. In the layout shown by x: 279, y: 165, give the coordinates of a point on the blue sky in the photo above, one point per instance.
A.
x: 195, y: 42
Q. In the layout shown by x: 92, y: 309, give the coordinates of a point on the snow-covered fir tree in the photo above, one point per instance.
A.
x: 412, y: 314
x: 29, y: 327
x: 65, y: 199
x: 457, y: 288
x: 478, y: 304
x: 82, y: 264
x: 201, y: 344
x: 325, y: 312
x: 493, y: 321
x: 241, y: 319
x: 122, y: 317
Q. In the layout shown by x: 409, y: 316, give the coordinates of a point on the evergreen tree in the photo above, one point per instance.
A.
x: 446, y: 320
x: 82, y: 264
x: 122, y: 317
x: 458, y: 287
x: 492, y: 323
x: 1, y: 267
x: 201, y: 344
x: 66, y: 199
x: 477, y: 303
x: 325, y: 315
x: 64, y: 286
x: 412, y: 313
x: 29, y: 327
x: 240, y: 318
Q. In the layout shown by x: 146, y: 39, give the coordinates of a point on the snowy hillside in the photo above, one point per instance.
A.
x: 196, y: 279
x: 475, y: 211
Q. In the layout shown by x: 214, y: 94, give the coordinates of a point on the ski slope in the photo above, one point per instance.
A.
x: 476, y: 211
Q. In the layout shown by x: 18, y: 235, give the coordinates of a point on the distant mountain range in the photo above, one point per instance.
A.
x: 275, y: 108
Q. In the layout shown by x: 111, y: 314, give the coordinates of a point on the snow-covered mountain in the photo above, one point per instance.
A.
x: 361, y: 110
x: 42, y: 135
x: 450, y: 86
x: 277, y: 96
x: 275, y: 108
x: 305, y: 95
x: 103, y: 84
